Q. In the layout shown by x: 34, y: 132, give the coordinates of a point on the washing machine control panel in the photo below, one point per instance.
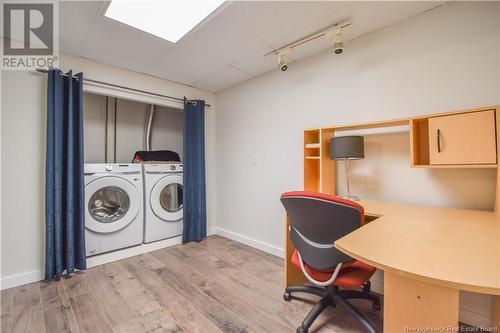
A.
x: 108, y: 167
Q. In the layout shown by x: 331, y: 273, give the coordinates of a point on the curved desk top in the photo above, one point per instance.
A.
x: 456, y: 248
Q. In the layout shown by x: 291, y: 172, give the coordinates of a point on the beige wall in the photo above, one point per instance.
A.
x: 438, y: 61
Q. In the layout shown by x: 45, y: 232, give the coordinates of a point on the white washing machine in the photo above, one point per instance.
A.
x: 162, y: 201
x: 114, y: 207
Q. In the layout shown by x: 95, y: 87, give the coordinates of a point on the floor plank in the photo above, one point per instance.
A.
x: 27, y: 310
x: 7, y: 298
x: 76, y: 284
x: 222, y: 317
x: 57, y: 312
x: 153, y: 316
x: 114, y: 306
x: 183, y: 312
x: 266, y: 295
x: 89, y: 316
x: 246, y: 310
x: 214, y: 286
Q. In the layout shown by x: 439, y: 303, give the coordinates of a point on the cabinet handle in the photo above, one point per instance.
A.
x: 439, y: 140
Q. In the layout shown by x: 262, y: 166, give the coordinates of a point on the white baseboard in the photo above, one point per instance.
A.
x: 35, y: 276
x: 136, y: 250
x: 105, y: 258
x: 473, y: 318
x: 211, y: 231
x: 277, y: 251
x: 20, y: 279
x: 377, y: 282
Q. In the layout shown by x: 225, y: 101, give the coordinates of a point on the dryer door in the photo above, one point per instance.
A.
x: 112, y: 203
x: 166, y: 198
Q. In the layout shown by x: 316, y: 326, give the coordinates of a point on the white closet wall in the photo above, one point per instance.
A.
x: 167, y: 129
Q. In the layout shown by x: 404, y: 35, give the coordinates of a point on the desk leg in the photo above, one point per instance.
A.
x: 495, y: 312
x: 293, y: 276
x: 410, y: 304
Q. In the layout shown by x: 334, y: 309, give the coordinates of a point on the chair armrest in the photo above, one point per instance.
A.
x: 315, y: 282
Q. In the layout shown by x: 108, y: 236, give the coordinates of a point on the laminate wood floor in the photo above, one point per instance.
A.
x: 217, y: 285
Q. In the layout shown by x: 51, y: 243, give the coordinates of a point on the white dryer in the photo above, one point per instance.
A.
x: 114, y: 207
x: 162, y: 201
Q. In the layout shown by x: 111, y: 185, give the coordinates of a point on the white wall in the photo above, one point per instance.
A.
x: 23, y: 158
x: 439, y: 61
x: 23, y: 172
x: 387, y: 158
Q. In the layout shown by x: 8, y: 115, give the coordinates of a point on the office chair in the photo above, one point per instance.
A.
x: 316, y: 221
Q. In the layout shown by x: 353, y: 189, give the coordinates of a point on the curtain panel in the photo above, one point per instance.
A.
x: 64, y: 180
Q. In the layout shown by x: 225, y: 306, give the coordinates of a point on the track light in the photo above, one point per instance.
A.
x: 282, y: 59
x: 334, y: 32
x: 338, y: 44
x: 282, y: 62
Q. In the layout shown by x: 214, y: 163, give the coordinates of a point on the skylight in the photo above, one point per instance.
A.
x: 166, y: 19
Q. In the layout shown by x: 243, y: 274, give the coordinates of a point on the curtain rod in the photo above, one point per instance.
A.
x: 41, y: 70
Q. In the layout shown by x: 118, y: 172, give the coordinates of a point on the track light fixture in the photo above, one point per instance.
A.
x: 282, y: 59
x: 335, y: 31
x: 338, y: 44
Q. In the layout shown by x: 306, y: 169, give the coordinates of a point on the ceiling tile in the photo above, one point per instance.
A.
x: 69, y: 47
x: 227, y: 77
x: 189, y: 65
x: 338, y: 5
x: 244, y: 26
x: 75, y: 20
x: 257, y: 62
x: 206, y: 85
x: 108, y: 39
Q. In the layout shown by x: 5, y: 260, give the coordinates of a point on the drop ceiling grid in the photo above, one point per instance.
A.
x: 228, y: 47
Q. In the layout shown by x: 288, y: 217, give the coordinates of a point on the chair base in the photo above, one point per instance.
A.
x: 331, y: 296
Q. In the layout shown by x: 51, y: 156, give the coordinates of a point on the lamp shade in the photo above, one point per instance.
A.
x: 347, y: 147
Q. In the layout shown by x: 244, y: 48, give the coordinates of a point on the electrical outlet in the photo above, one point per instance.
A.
x: 254, y: 159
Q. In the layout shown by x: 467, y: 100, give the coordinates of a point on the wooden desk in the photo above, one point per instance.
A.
x: 427, y: 254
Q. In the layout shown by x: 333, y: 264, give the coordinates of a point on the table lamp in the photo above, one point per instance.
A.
x: 347, y: 148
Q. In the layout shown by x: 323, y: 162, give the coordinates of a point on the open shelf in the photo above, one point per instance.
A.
x: 312, y: 151
x: 315, y: 145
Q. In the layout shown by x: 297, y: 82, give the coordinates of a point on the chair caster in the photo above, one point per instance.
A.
x: 302, y: 330
x: 287, y: 296
x: 367, y: 287
x: 376, y: 306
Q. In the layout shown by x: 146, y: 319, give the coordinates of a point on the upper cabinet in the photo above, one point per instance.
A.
x: 465, y: 139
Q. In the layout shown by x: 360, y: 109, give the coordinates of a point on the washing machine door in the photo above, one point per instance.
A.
x: 111, y: 204
x: 166, y: 198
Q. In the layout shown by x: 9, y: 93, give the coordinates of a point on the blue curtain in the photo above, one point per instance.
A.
x: 64, y: 182
x: 194, y: 197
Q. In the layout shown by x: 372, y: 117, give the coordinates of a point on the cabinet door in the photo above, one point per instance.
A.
x: 467, y: 138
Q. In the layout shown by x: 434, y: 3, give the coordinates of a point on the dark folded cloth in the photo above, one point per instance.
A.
x: 156, y: 155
